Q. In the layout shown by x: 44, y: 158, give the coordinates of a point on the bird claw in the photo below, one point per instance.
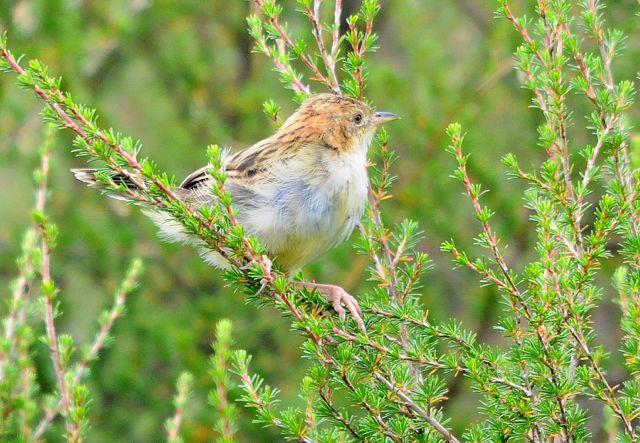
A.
x: 341, y: 299
x: 263, y: 285
x: 267, y: 265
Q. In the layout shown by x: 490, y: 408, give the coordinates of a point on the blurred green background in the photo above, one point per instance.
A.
x: 179, y: 75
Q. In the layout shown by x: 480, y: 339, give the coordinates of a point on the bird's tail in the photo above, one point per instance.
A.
x: 170, y: 230
x: 90, y: 177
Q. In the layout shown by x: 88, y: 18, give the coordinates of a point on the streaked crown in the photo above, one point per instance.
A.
x: 338, y: 121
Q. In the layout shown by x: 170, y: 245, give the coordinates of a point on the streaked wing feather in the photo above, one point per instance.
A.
x: 241, y: 165
x: 252, y: 160
x: 196, y: 178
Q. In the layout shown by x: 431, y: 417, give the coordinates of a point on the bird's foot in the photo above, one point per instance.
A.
x: 267, y: 271
x: 266, y: 265
x: 339, y: 299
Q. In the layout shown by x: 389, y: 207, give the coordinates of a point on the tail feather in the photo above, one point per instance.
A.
x: 86, y: 175
x: 90, y: 177
x: 169, y: 229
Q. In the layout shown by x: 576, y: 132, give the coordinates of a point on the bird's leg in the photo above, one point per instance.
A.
x: 339, y: 299
x: 267, y: 269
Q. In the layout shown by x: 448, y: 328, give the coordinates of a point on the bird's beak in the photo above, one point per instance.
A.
x: 384, y: 117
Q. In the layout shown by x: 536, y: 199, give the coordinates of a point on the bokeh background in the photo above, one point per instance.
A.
x: 179, y: 75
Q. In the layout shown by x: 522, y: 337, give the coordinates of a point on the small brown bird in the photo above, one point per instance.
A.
x: 300, y: 192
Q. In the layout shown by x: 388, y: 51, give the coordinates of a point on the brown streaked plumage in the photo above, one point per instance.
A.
x: 301, y: 191
x: 323, y: 119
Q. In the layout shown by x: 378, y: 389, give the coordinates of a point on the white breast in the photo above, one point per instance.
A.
x: 312, y: 203
x: 308, y: 205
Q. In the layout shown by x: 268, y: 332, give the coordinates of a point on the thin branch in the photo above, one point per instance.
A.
x: 128, y: 284
x: 316, y: 29
x: 26, y: 272
x: 335, y: 37
x: 49, y: 295
x: 337, y: 416
x: 183, y: 386
x: 448, y: 436
x: 308, y: 62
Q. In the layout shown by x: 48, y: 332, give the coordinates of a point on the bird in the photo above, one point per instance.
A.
x: 300, y: 191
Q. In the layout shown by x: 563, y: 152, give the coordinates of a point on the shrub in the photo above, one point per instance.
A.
x: 390, y: 383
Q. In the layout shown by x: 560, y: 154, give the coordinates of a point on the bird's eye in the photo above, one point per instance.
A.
x: 357, y: 118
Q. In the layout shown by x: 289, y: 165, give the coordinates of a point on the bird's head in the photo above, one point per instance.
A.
x: 339, y: 122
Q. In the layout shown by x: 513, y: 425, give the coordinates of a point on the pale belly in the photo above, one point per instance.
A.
x: 298, y: 218
x: 298, y: 213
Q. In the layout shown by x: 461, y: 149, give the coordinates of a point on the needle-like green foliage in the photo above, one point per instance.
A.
x: 391, y: 383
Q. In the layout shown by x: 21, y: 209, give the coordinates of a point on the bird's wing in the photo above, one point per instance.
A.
x: 249, y: 163
x: 244, y: 165
x: 196, y: 178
